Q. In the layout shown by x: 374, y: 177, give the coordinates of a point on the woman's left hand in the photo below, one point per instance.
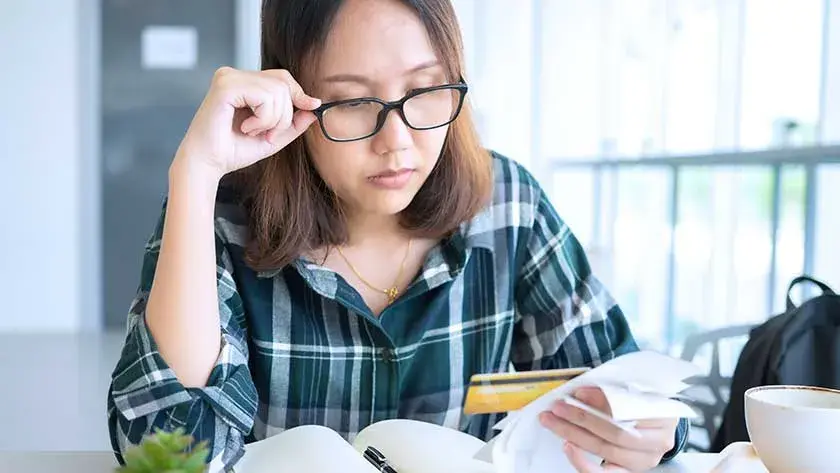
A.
x: 621, y: 450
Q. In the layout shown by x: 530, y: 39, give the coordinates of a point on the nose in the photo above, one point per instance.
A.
x: 395, y: 135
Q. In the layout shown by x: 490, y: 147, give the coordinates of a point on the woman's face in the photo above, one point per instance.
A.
x: 376, y: 48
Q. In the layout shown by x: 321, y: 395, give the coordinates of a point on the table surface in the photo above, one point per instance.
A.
x: 103, y: 462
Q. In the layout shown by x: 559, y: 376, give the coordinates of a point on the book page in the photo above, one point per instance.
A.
x: 308, y: 448
x: 420, y: 447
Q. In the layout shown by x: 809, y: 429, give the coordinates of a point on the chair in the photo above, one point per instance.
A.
x: 709, y: 394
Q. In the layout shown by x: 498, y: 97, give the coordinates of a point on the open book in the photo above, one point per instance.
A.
x: 409, y: 446
x: 637, y: 386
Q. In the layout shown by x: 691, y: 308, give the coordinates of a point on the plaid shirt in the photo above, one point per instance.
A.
x: 300, y: 346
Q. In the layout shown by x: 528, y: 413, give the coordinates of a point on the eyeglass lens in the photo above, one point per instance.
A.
x: 359, y: 119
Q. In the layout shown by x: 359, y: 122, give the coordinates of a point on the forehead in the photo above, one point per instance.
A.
x: 379, y: 39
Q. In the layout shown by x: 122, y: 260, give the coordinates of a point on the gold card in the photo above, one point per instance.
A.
x: 504, y: 392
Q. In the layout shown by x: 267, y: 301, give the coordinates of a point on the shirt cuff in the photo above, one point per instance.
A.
x: 680, y: 440
x: 143, y: 384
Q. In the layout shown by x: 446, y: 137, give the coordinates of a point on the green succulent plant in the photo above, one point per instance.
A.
x: 166, y: 452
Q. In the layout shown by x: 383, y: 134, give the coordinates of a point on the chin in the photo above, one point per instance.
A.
x: 390, y: 205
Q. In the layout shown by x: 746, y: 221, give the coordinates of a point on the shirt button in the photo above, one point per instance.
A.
x: 388, y: 355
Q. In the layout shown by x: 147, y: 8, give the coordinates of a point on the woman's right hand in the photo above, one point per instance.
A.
x: 245, y: 117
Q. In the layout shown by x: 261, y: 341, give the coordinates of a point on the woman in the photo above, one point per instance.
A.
x: 327, y: 257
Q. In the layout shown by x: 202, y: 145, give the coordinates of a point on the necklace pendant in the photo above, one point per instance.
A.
x: 392, y: 294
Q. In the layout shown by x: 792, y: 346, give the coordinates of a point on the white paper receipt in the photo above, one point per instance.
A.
x: 637, y: 386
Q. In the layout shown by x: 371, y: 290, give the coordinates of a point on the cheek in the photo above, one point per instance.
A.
x: 335, y: 162
x: 430, y: 143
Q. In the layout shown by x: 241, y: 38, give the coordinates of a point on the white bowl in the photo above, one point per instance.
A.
x: 794, y: 428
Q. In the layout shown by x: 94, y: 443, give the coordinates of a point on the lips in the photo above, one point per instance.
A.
x: 392, y: 179
x: 391, y: 173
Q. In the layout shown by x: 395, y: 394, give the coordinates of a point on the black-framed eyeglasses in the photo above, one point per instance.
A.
x: 420, y: 109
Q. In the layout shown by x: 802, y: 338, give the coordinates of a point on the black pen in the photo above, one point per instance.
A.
x: 378, y: 460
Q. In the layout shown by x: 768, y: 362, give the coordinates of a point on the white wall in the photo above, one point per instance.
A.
x: 41, y: 141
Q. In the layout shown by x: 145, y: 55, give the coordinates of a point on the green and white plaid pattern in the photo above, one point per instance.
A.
x: 299, y: 346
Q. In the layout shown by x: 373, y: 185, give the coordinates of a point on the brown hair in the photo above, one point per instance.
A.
x: 291, y: 210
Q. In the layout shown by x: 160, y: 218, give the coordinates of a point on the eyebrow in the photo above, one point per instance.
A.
x: 364, y: 80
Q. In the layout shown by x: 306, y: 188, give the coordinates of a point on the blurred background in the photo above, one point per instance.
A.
x: 690, y: 144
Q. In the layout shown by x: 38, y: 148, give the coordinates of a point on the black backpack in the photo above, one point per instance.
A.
x: 800, y: 346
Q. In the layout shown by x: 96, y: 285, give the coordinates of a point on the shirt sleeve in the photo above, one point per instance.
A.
x: 565, y: 317
x: 145, y: 395
x: 680, y: 440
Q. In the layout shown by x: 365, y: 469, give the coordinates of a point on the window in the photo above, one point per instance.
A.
x: 722, y: 248
x: 781, y: 72
x: 639, y: 240
x: 827, y: 241
x: 672, y: 137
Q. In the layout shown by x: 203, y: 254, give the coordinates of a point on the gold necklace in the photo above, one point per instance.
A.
x: 392, y: 292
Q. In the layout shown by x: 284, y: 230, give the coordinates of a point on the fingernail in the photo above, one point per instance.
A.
x: 559, y: 408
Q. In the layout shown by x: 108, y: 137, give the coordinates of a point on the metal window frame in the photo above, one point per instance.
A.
x: 811, y: 158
